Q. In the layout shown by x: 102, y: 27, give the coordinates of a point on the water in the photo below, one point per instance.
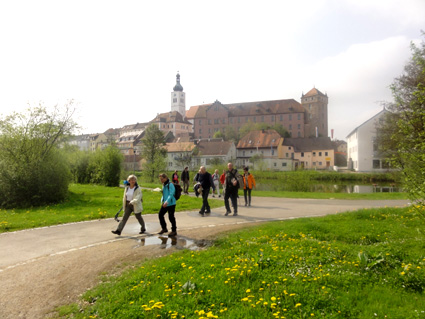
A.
x: 165, y: 242
x: 343, y: 187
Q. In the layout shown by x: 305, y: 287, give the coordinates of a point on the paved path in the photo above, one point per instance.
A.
x: 23, y: 247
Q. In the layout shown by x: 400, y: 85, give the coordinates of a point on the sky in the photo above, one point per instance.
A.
x: 118, y: 60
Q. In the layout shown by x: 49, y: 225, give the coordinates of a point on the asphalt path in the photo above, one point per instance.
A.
x: 26, y: 246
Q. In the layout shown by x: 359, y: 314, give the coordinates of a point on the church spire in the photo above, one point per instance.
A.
x: 178, y: 86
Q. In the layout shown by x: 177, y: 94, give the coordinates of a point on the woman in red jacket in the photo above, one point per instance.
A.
x: 248, y: 185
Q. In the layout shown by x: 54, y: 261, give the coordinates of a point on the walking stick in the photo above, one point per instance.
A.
x: 116, y: 215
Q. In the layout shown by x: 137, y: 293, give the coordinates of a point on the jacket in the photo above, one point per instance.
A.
x: 206, y: 181
x: 136, y: 201
x: 230, y: 176
x: 248, y: 181
x: 168, y: 191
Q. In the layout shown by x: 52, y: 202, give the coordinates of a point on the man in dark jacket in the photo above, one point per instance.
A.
x: 185, y: 179
x: 231, y: 189
x: 206, y: 181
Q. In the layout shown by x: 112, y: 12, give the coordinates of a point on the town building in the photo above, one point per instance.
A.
x: 308, y: 153
x: 362, y: 149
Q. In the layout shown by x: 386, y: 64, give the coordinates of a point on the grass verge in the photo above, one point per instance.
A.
x: 364, y: 264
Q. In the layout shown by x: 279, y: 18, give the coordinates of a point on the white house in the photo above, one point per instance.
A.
x: 362, y: 149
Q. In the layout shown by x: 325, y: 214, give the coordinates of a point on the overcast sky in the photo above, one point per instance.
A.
x: 118, y: 59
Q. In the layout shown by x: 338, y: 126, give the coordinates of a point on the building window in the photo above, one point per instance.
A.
x: 239, y: 119
x: 200, y: 122
x: 287, y: 155
x: 283, y: 164
x: 290, y: 117
x: 299, y: 116
x: 274, y: 164
x: 272, y: 118
x: 302, y: 154
x: 299, y: 134
x: 320, y: 153
x: 231, y: 120
x: 290, y: 126
x: 376, y: 163
x: 224, y: 121
x: 174, y: 100
x: 243, y: 153
x: 209, y: 121
x: 299, y: 126
x: 200, y: 131
x: 255, y: 119
x: 314, y: 153
x: 326, y: 153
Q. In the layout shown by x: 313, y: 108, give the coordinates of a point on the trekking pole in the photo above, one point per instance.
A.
x: 116, y: 215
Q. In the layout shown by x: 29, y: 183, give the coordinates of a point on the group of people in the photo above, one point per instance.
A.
x: 231, y: 181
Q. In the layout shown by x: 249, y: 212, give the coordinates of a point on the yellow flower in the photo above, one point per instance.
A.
x: 297, y: 305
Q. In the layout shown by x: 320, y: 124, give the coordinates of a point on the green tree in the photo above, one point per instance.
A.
x: 33, y: 170
x: 153, y: 152
x: 401, y: 136
x: 105, y: 166
x: 249, y: 127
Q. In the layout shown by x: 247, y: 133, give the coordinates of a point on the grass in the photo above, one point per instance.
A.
x: 366, y: 264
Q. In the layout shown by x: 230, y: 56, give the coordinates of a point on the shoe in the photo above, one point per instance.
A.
x: 208, y: 212
x: 227, y: 213
x: 142, y: 231
x: 213, y: 196
x: 163, y: 231
x: 249, y: 204
x: 219, y: 195
x: 201, y: 213
x: 172, y: 234
x: 235, y: 214
x: 116, y: 232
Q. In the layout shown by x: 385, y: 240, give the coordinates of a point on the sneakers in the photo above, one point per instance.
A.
x: 227, y: 213
x: 213, y: 195
x: 201, y: 213
x: 142, y: 231
x: 235, y: 214
x: 219, y: 195
x: 116, y: 232
x: 163, y: 231
x: 172, y: 234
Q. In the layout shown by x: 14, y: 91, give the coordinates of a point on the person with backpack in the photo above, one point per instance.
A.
x: 206, y: 181
x: 132, y: 203
x: 232, y: 184
x: 168, y: 205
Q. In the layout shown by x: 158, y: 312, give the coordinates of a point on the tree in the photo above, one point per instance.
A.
x: 249, y: 127
x: 401, y: 136
x: 33, y: 170
x: 153, y: 152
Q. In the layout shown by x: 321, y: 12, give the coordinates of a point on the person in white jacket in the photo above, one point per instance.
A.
x: 132, y: 202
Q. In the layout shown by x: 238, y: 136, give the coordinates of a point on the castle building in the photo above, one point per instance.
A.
x: 178, y: 99
x: 316, y: 105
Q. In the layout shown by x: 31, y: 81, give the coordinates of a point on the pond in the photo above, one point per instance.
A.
x: 331, y: 187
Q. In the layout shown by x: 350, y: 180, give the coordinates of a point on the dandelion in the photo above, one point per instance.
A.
x: 297, y: 305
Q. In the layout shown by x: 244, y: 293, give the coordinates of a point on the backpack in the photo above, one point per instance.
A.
x: 178, y: 191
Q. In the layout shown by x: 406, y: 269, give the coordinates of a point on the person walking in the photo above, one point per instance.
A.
x: 206, y: 181
x: 232, y: 185
x: 168, y: 205
x: 132, y: 202
x: 185, y: 179
x: 248, y: 185
x: 216, y: 180
x: 175, y: 178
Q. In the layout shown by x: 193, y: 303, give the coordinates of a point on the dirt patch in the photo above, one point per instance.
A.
x: 35, y: 289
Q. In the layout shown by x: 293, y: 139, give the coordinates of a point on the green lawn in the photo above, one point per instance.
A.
x: 365, y: 264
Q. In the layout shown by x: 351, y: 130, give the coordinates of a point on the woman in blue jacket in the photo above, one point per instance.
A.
x: 168, y: 205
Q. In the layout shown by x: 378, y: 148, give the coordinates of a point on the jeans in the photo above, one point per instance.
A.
x: 233, y: 195
x: 245, y: 191
x: 170, y: 210
x: 128, y: 210
x: 205, y: 205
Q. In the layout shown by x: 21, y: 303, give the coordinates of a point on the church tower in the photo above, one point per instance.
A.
x: 178, y: 100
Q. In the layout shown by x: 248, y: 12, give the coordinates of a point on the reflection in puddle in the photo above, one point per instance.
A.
x: 167, y: 242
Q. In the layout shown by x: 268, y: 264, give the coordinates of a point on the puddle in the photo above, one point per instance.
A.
x: 165, y: 242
